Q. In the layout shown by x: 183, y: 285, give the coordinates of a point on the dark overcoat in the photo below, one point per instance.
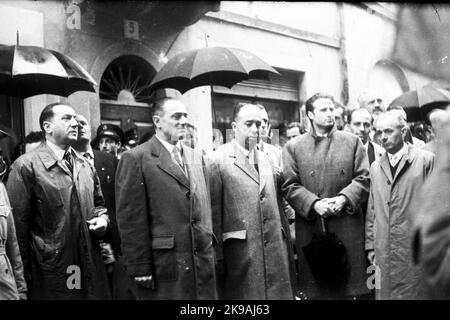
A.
x: 252, y: 243
x: 105, y: 165
x: 323, y: 167
x: 164, y: 220
x: 50, y: 207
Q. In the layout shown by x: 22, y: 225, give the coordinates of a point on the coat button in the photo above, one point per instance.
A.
x: 261, y: 197
x: 193, y: 222
x: 188, y: 195
x: 388, y: 183
x: 266, y: 242
x: 195, y: 251
x: 265, y: 220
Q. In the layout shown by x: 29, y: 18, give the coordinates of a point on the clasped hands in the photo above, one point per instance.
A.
x: 330, y: 206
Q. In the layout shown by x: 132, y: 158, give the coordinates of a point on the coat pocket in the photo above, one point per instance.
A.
x: 240, y: 234
x: 164, y: 258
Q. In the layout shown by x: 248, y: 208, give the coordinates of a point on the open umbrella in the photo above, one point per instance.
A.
x: 28, y: 70
x: 327, y: 257
x: 417, y: 103
x: 210, y: 66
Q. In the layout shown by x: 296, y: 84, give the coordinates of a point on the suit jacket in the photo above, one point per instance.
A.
x: 105, y: 165
x: 50, y: 207
x: 165, y: 223
x: 248, y: 222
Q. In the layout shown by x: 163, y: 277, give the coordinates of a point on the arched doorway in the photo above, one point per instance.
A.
x: 388, y: 79
x: 124, y: 94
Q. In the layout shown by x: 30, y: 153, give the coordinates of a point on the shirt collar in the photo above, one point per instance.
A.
x: 168, y: 145
x: 395, y: 158
x: 90, y: 152
x: 245, y: 151
x: 59, y: 153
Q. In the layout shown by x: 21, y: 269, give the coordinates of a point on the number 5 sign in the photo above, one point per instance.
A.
x: 131, y: 29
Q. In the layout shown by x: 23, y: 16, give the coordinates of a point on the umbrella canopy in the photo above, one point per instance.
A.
x: 27, y: 71
x: 327, y: 257
x: 210, y: 66
x: 417, y: 103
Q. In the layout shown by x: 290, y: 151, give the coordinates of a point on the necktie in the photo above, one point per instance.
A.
x: 67, y: 159
x: 177, y: 156
x: 89, y: 158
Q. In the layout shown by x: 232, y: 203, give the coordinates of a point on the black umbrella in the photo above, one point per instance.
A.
x: 417, y: 103
x: 210, y: 66
x: 28, y: 70
x: 327, y: 258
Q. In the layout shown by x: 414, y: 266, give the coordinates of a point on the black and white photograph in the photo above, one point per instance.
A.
x: 240, y: 152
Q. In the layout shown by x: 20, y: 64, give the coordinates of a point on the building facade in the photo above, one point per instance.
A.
x: 341, y: 48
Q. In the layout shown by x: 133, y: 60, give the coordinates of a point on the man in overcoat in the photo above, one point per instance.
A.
x: 396, y: 181
x: 59, y: 213
x: 164, y: 213
x: 252, y: 248
x: 326, y: 176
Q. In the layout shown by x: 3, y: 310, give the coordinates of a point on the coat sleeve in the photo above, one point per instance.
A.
x: 358, y: 190
x: 19, y: 186
x: 300, y: 198
x: 216, y: 190
x: 431, y: 236
x: 13, y: 253
x: 133, y: 216
x: 370, y: 218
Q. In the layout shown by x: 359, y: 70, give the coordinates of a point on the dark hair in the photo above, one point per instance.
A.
x: 319, y: 95
x: 237, y: 108
x: 298, y: 125
x: 47, y: 113
x: 34, y: 136
x: 349, y: 116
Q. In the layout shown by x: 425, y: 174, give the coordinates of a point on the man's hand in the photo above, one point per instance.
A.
x: 323, y: 208
x: 145, y: 281
x: 337, y: 204
x: 371, y: 257
x: 98, y: 226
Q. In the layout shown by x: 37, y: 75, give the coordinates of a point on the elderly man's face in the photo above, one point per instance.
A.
x: 108, y: 144
x: 391, y: 133
x: 63, y: 126
x: 84, y: 129
x: 361, y: 124
x: 172, y: 122
x: 247, y: 126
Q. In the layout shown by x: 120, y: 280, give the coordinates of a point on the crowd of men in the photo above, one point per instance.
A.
x: 317, y: 218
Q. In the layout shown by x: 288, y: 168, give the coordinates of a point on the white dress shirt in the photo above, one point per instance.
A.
x: 170, y: 148
x: 395, y: 158
x: 59, y: 153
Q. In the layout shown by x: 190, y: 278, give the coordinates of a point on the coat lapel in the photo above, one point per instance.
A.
x: 242, y: 162
x: 404, y: 161
x: 264, y: 169
x: 166, y: 163
x: 385, y: 167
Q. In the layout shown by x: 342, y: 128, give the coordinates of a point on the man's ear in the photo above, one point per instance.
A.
x: 233, y: 125
x: 310, y: 115
x: 47, y: 127
x: 156, y: 120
